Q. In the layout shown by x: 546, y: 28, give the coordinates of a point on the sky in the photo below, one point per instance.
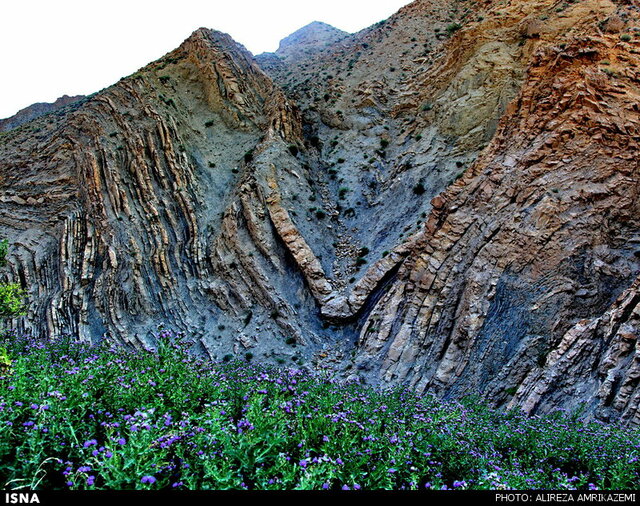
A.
x: 77, y: 47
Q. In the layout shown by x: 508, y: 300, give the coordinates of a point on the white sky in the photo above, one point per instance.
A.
x: 49, y: 48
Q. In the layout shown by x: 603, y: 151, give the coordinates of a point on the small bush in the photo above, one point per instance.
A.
x: 453, y: 27
x: 419, y: 189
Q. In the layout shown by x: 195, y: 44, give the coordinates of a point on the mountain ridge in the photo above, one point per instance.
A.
x: 36, y: 110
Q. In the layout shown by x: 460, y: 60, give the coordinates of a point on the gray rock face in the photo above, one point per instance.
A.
x: 454, y: 209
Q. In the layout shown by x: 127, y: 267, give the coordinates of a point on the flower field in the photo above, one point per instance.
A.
x: 74, y: 416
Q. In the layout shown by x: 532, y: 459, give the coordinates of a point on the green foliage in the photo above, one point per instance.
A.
x: 12, y: 296
x: 453, y: 27
x: 5, y: 362
x: 106, y: 417
x: 12, y: 300
x: 4, y: 246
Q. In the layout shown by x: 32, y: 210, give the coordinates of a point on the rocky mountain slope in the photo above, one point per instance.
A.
x: 447, y: 199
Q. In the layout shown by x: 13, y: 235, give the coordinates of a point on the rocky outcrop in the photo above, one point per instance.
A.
x: 447, y: 199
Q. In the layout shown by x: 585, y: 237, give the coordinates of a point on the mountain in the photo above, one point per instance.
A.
x: 308, y: 40
x: 447, y: 200
x: 36, y: 110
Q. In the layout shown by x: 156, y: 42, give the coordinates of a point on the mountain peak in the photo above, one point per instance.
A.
x: 309, y: 39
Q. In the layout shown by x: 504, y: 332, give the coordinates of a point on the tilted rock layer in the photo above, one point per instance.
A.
x: 448, y: 199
